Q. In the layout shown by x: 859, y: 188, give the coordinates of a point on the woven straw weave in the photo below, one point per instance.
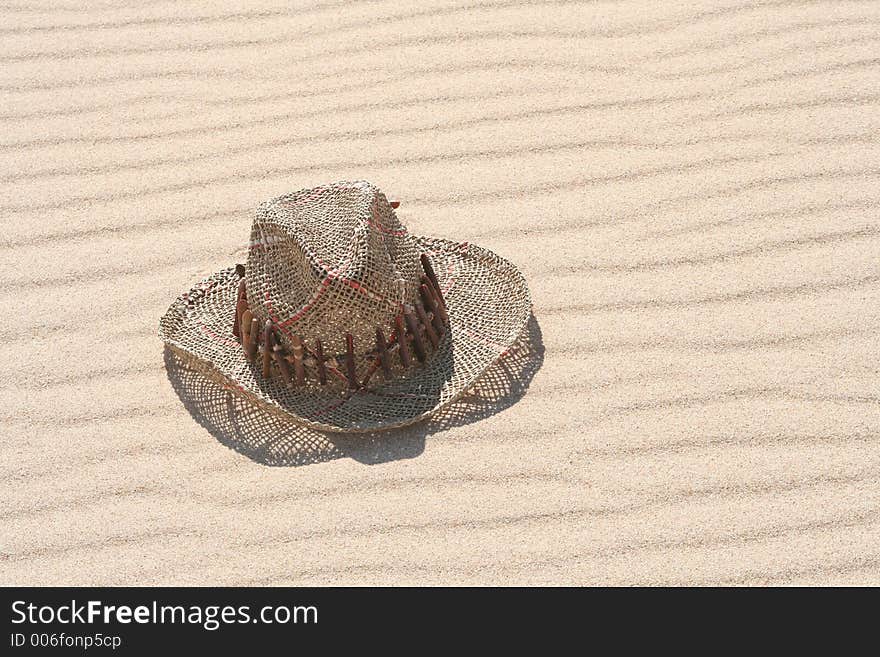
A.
x: 333, y: 260
x: 328, y: 261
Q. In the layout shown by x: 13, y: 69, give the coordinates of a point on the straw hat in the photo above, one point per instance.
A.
x: 343, y: 320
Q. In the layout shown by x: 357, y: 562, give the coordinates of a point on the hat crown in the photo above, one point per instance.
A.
x: 330, y: 261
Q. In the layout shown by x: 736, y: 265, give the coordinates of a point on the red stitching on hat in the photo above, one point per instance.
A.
x: 308, y: 305
x: 450, y: 274
x: 217, y: 337
x: 329, y: 408
x: 386, y: 231
x: 374, y: 221
x: 360, y: 287
x: 489, y: 343
x: 271, y: 312
x: 450, y: 270
x: 405, y: 395
x: 325, y: 283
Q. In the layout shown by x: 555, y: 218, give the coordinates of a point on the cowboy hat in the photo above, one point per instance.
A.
x: 344, y: 321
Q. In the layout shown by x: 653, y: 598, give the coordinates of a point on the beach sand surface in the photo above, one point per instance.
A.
x: 690, y: 188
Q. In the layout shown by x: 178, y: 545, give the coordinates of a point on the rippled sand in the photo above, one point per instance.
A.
x: 690, y: 188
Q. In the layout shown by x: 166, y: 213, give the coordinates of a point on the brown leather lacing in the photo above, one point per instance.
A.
x: 421, y: 326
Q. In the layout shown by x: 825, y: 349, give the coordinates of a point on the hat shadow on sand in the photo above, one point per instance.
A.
x: 271, y: 439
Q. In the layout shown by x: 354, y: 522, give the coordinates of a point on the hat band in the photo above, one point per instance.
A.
x: 415, y: 331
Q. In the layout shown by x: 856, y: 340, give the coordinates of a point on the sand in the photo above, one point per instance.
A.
x: 690, y: 188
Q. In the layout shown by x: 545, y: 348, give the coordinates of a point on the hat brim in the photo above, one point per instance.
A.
x: 488, y: 304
